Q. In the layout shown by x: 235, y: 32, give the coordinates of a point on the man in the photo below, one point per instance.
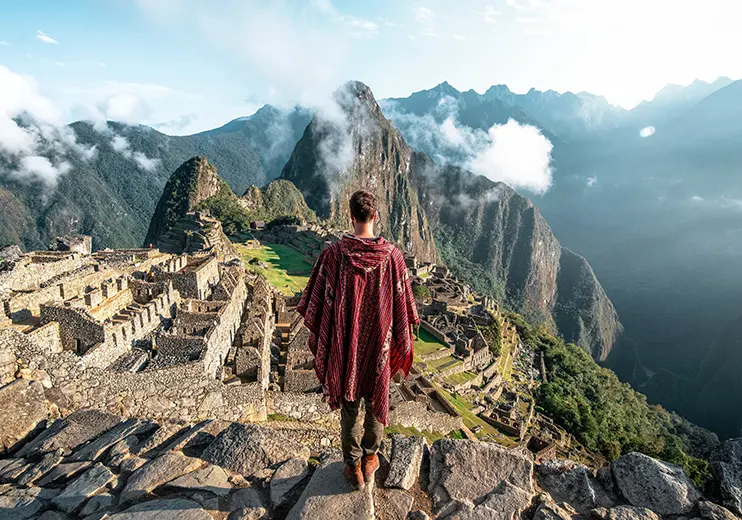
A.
x: 359, y: 309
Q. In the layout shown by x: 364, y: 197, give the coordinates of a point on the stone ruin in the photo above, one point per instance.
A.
x: 130, y: 382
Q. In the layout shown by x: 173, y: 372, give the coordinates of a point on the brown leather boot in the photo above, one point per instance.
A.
x: 370, y: 465
x: 354, y: 476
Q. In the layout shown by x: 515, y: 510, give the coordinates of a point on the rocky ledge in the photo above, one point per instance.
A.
x: 95, y: 465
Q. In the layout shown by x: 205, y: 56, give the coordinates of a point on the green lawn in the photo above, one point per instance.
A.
x: 427, y: 343
x: 280, y: 260
x: 443, y: 363
x: 463, y: 377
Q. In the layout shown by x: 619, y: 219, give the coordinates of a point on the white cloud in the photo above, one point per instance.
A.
x: 45, y: 37
x: 121, y: 145
x: 33, y: 137
x: 126, y: 106
x: 491, y: 14
x: 591, y: 181
x: 518, y: 155
x: 647, y: 131
x: 59, y: 63
x: 459, y: 37
x: 426, y: 17
x: 4, y: 43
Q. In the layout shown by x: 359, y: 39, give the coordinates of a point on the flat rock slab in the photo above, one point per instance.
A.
x: 96, y: 449
x: 713, y: 511
x: 46, y: 464
x: 464, y: 473
x: 328, y: 495
x: 98, y: 504
x: 155, y: 473
x: 63, y: 472
x: 211, y: 479
x: 70, y: 433
x: 82, y: 488
x: 13, y: 469
x: 286, y: 479
x: 662, y: 487
x: 249, y: 448
x: 392, y: 504
x: 24, y: 407
x: 174, y: 509
x: 407, y: 454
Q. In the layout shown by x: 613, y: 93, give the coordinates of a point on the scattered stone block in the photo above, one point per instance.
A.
x: 286, y: 479
x: 23, y: 408
x: 211, y: 479
x: 247, y: 501
x: 404, y: 468
x: 13, y: 470
x: 329, y: 495
x: 712, y: 511
x: 132, y: 464
x: 249, y: 448
x: 170, y: 509
x: 70, y: 433
x: 83, y: 487
x: 53, y: 515
x: 574, y: 484
x: 418, y: 515
x: 121, y: 450
x: 155, y: 473
x: 662, y: 487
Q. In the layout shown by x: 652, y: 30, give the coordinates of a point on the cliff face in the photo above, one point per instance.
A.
x: 279, y: 198
x: 499, y: 241
x: 193, y: 182
x: 359, y: 148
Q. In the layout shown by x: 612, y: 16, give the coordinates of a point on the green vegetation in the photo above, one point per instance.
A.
x: 605, y: 414
x: 225, y: 207
x: 443, y: 363
x: 461, y: 378
x: 425, y: 343
x: 493, y: 337
x: 279, y: 417
x: 421, y: 292
x: 282, y: 263
x: 411, y: 431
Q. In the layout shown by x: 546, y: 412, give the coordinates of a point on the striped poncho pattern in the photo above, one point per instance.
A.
x: 359, y: 309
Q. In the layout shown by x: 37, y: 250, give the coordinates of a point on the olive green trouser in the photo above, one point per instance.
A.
x: 357, y: 443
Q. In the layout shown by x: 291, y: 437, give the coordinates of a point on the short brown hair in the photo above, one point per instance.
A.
x: 363, y: 206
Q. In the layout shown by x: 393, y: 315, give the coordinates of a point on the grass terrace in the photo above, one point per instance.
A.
x: 281, y: 260
x: 461, y: 378
x: 427, y: 343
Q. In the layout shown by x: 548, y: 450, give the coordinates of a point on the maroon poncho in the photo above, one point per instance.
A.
x: 359, y: 309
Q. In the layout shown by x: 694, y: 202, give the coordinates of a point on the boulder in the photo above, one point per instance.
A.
x: 726, y: 464
x: 329, y: 495
x: 631, y: 513
x: 14, y: 469
x: 712, y: 511
x: 286, y: 479
x: 572, y: 483
x: 155, y: 473
x: 662, y: 487
x: 24, y: 407
x: 172, y: 509
x: 211, y: 479
x: 19, y: 504
x: 249, y: 448
x: 407, y: 455
x: 551, y: 511
x: 83, y: 487
x: 98, y: 504
x: 470, y: 480
x: 70, y: 433
x: 247, y: 498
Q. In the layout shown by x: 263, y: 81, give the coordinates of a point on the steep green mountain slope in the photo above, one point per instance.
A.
x: 272, y: 131
x: 486, y: 232
x: 112, y: 196
x: 361, y: 149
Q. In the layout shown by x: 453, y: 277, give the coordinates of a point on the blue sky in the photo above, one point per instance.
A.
x: 187, y: 65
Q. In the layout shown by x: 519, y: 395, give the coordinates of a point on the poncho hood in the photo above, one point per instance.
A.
x: 365, y: 254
